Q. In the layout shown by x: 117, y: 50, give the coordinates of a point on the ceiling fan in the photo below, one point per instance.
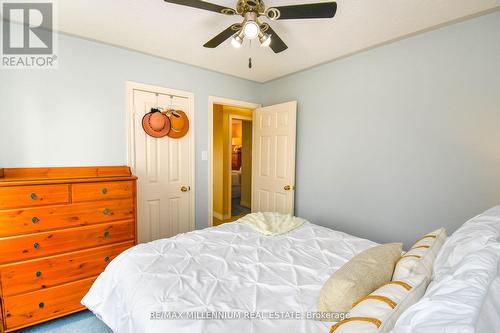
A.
x: 252, y: 27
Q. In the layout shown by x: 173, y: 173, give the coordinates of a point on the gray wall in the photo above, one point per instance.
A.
x: 392, y: 142
x: 399, y: 140
x: 76, y: 115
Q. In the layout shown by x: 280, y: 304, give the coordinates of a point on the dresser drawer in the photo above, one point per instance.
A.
x: 102, y: 191
x: 29, y: 196
x: 51, y: 271
x: 45, y: 304
x: 47, y: 243
x: 30, y: 220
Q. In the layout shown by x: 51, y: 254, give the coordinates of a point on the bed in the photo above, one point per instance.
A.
x: 233, y: 269
x: 226, y: 268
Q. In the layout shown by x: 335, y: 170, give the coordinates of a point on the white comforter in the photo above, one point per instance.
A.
x: 226, y: 268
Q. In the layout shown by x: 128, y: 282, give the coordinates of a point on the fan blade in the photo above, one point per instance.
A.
x: 220, y: 38
x: 204, y: 5
x: 305, y: 11
x: 277, y: 44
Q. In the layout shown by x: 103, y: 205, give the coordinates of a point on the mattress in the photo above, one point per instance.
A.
x: 247, y: 281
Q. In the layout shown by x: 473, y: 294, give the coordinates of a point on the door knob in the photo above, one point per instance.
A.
x: 289, y: 187
x: 185, y: 188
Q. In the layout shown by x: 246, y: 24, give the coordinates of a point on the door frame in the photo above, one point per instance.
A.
x: 130, y: 86
x: 223, y: 101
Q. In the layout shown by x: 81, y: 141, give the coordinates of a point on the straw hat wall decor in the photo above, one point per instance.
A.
x: 179, y: 124
x: 156, y: 124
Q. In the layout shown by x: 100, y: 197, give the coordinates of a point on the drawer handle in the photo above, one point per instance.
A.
x: 35, y: 219
x: 104, y: 190
x: 36, y: 246
x: 41, y: 305
x: 106, y: 258
x: 106, y: 234
x: 33, y: 196
x: 38, y: 274
x: 106, y: 211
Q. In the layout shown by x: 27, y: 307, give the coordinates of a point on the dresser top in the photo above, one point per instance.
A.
x: 54, y: 175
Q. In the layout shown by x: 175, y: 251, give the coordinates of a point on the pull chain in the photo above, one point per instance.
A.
x: 250, y: 58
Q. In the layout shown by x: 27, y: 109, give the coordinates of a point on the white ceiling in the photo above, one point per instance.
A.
x: 178, y: 32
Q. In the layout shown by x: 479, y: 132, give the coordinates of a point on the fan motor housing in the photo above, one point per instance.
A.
x: 245, y: 6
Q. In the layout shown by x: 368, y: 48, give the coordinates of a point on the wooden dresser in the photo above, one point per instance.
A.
x: 59, y: 228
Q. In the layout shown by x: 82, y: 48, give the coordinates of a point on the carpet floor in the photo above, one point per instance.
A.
x: 81, y: 322
x: 237, y: 209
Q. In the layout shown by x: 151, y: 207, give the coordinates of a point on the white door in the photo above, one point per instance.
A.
x: 273, y: 167
x: 164, y: 166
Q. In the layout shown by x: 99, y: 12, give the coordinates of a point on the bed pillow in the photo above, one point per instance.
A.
x: 272, y: 223
x: 358, y: 278
x: 420, y: 258
x: 379, y: 311
x: 465, y: 268
x: 470, y: 238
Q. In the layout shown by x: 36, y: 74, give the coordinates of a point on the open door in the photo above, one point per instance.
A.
x: 273, y: 167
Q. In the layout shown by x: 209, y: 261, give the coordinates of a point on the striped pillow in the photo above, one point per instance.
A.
x: 379, y: 311
x: 420, y: 258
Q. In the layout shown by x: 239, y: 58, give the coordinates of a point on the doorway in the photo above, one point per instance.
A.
x: 272, y: 166
x: 232, y: 162
x: 230, y: 174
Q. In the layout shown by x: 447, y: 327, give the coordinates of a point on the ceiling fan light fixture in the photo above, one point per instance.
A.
x: 237, y: 40
x: 265, y: 39
x: 251, y: 11
x: 251, y: 29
